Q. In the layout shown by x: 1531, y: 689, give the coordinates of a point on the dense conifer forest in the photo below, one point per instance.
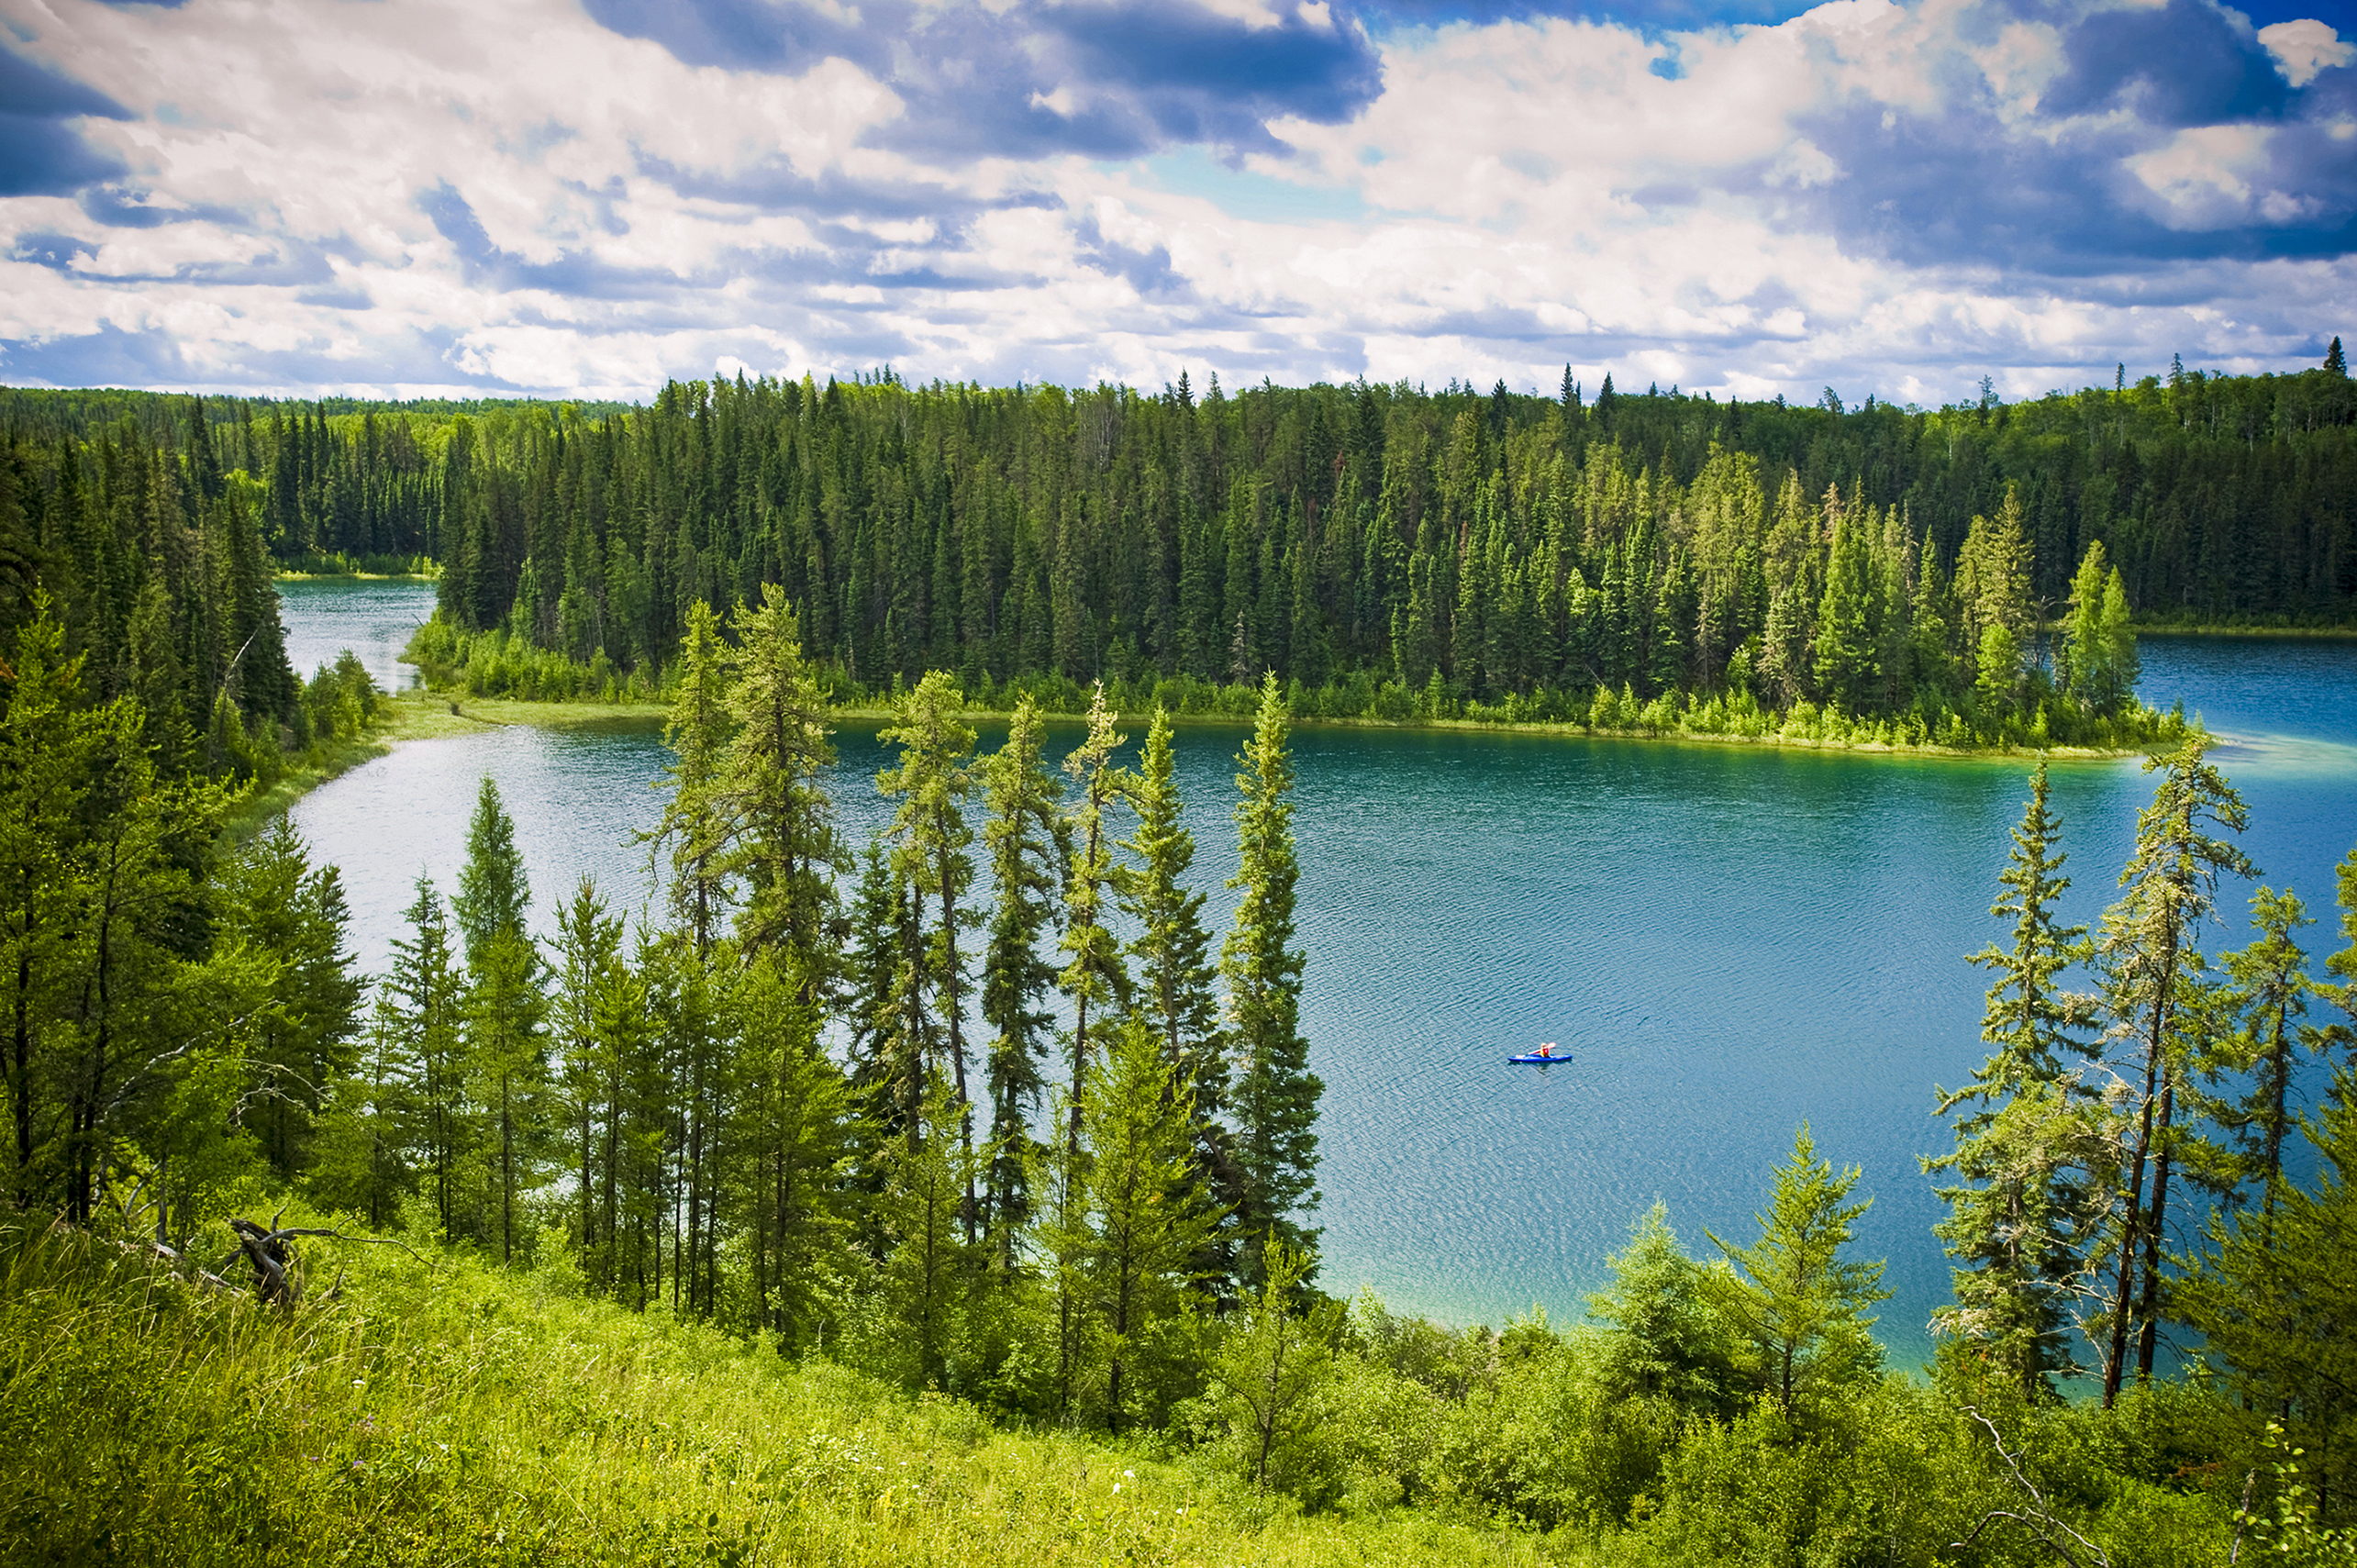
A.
x: 1622, y: 561
x: 985, y: 1111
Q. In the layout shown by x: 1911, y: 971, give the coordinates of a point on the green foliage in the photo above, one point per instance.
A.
x: 2029, y: 1142
x: 1028, y: 842
x: 1275, y: 1095
x: 1794, y: 1301
x: 1666, y: 1340
x: 1270, y: 1365
x: 464, y: 1412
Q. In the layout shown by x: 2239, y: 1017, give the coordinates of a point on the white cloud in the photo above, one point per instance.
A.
x: 2305, y: 49
x: 388, y: 192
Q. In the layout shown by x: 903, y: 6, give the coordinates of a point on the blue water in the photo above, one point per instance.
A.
x: 1728, y: 940
x: 374, y: 619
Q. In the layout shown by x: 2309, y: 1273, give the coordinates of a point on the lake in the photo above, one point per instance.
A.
x: 1728, y: 940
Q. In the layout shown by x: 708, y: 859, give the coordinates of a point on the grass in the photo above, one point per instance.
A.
x: 451, y: 1413
x: 430, y: 716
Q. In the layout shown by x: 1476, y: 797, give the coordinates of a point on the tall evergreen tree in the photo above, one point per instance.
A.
x: 788, y: 850
x: 429, y: 990
x: 1149, y: 1218
x: 493, y: 891
x: 2027, y: 1138
x: 2148, y: 963
x: 1095, y: 979
x: 697, y: 825
x: 1276, y: 1099
x: 1176, y: 995
x: 1800, y: 1305
x: 930, y: 836
x: 1024, y: 831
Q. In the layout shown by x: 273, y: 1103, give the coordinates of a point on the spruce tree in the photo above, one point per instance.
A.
x: 1024, y: 831
x: 503, y: 1008
x: 930, y: 837
x: 927, y: 1271
x: 2275, y: 1301
x: 1149, y: 1219
x: 698, y: 827
x: 493, y: 891
x: 798, y: 1141
x: 363, y: 1159
x: 2257, y: 1041
x: 506, y: 1049
x: 271, y: 902
x: 1095, y: 979
x: 2148, y: 961
x: 429, y: 990
x: 772, y: 787
x: 2026, y: 1140
x: 1176, y: 995
x: 1792, y: 1296
x: 588, y: 948
x: 1276, y: 1099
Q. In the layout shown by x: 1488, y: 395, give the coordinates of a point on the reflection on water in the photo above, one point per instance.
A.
x: 1726, y: 939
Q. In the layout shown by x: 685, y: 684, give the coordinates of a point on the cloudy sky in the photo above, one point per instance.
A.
x: 585, y: 197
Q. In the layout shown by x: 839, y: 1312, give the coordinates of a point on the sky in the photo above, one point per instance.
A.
x: 585, y: 198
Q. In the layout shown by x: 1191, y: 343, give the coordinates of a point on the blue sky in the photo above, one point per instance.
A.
x: 585, y: 197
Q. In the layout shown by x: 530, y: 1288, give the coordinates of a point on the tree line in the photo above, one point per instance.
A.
x: 1384, y: 549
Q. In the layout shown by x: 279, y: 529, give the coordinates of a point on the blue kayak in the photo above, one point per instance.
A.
x: 1532, y: 1056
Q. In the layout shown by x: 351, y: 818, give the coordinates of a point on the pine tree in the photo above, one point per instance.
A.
x: 927, y: 1271
x: 364, y: 1155
x: 1025, y: 835
x: 930, y: 836
x: 1095, y: 978
x: 1275, y: 1100
x: 428, y: 990
x: 799, y: 1144
x: 2335, y: 362
x: 2148, y: 961
x: 2017, y: 1209
x: 2259, y: 1045
x: 1176, y: 996
x: 1792, y: 1296
x: 772, y: 787
x: 493, y: 891
x: 1149, y: 1219
x: 589, y: 947
x: 2275, y: 1301
x: 697, y: 824
x: 506, y: 1049
x: 271, y: 902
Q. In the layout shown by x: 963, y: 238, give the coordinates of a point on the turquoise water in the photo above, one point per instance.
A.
x: 1728, y: 940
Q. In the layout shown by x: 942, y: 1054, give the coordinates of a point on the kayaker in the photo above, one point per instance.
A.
x: 1548, y: 1048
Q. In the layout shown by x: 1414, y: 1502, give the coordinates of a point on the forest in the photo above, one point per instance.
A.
x: 1960, y: 576
x: 985, y: 1115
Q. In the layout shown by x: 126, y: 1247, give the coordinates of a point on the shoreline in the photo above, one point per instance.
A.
x: 354, y: 577
x: 463, y: 712
x: 418, y: 713
x: 2255, y: 633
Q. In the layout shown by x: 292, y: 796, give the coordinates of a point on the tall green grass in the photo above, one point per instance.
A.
x: 458, y: 1415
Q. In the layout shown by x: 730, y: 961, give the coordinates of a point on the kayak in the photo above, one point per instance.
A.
x: 1532, y: 1056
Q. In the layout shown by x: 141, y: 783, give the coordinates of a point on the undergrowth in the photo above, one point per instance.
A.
x: 452, y: 1414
